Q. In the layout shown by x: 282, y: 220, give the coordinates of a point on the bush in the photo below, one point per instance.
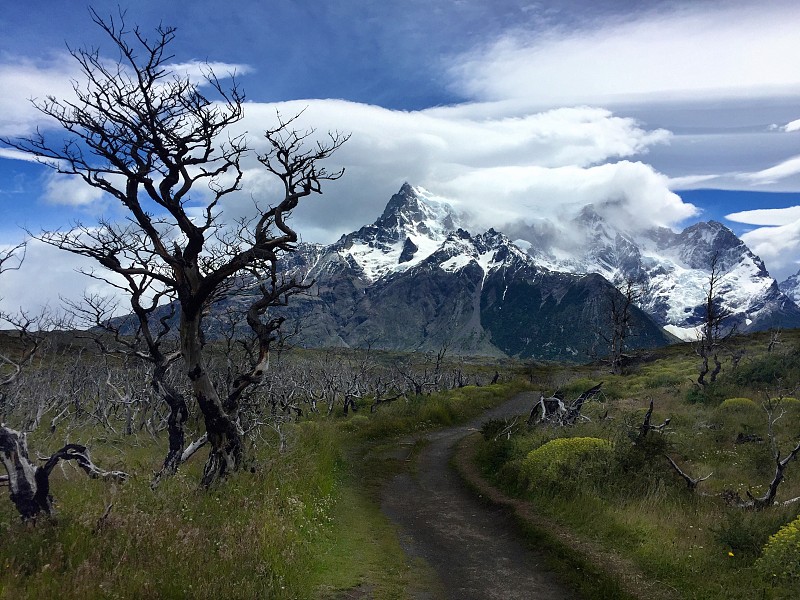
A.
x: 780, y: 560
x: 492, y: 428
x: 659, y: 380
x: 568, y: 462
x: 738, y: 404
x: 764, y: 371
x: 745, y: 533
x: 492, y: 455
x: 711, y: 394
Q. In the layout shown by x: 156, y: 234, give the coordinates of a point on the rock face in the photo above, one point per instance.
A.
x: 674, y: 269
x: 415, y: 280
x: 791, y: 287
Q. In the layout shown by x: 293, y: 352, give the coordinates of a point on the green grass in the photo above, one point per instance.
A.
x: 696, y: 544
x: 256, y: 535
x: 303, y: 524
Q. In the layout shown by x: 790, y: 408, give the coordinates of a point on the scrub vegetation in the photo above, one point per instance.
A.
x: 300, y: 521
x: 682, y: 490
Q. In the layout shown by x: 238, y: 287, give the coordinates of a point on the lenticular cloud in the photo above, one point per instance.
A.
x: 496, y: 167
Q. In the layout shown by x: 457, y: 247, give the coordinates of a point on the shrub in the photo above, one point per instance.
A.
x: 493, y: 455
x: 711, y: 394
x: 567, y: 462
x: 738, y: 404
x: 745, y: 533
x: 492, y: 428
x: 780, y: 560
x: 664, y: 379
x: 767, y: 369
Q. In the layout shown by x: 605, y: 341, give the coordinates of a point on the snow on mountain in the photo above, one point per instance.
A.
x: 416, y: 280
x: 412, y: 227
x: 416, y: 277
x: 674, y: 270
x: 489, y: 251
x: 791, y: 287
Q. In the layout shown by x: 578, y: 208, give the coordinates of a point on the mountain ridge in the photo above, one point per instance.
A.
x: 416, y: 279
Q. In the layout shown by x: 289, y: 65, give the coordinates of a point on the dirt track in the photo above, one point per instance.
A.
x: 473, y: 548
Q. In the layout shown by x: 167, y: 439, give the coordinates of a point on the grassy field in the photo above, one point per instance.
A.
x: 302, y: 524
x: 305, y: 523
x: 605, y: 485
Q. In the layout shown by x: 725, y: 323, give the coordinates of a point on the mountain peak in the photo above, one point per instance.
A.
x: 417, y: 211
x: 412, y: 226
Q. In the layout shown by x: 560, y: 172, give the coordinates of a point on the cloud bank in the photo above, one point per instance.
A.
x: 776, y: 240
x: 548, y: 129
x: 738, y: 50
x: 499, y: 169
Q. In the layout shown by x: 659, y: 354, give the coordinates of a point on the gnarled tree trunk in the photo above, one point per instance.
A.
x: 224, y: 433
x: 29, y: 484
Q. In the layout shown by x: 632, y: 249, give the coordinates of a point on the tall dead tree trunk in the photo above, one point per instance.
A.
x: 614, y: 322
x: 711, y: 335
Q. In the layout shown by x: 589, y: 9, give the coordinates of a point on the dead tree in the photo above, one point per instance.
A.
x: 148, y: 137
x: 774, y: 338
x: 712, y: 335
x: 620, y: 311
x: 555, y: 411
x: 691, y: 482
x: 646, y: 427
x: 149, y: 339
x: 774, y: 410
x: 385, y: 392
x: 427, y: 378
x: 29, y: 484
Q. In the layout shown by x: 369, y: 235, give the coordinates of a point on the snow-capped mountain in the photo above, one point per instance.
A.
x: 791, y: 287
x: 413, y: 225
x: 674, y: 271
x: 414, y: 280
x: 417, y: 279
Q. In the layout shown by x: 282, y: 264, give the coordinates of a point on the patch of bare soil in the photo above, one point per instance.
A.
x: 475, y: 548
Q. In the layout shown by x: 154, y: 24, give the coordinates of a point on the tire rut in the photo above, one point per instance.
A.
x: 474, y: 548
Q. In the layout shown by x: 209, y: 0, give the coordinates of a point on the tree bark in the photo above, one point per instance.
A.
x: 178, y: 415
x: 223, y: 430
x: 30, y: 484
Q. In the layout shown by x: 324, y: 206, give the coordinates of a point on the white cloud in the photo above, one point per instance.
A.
x: 767, y: 216
x: 778, y: 247
x: 786, y: 168
x: 46, y: 275
x: 196, y: 70
x: 739, y: 50
x: 70, y: 190
x: 630, y: 195
x: 23, y: 80
x: 792, y: 126
x: 515, y: 163
x: 14, y: 154
x: 689, y: 182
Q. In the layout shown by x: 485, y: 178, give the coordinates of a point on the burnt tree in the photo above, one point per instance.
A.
x: 712, y: 333
x: 29, y: 483
x: 620, y: 309
x: 158, y: 143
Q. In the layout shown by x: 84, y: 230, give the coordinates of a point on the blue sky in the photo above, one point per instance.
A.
x: 675, y: 110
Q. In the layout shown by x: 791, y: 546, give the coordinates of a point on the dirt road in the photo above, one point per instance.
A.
x: 474, y: 549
